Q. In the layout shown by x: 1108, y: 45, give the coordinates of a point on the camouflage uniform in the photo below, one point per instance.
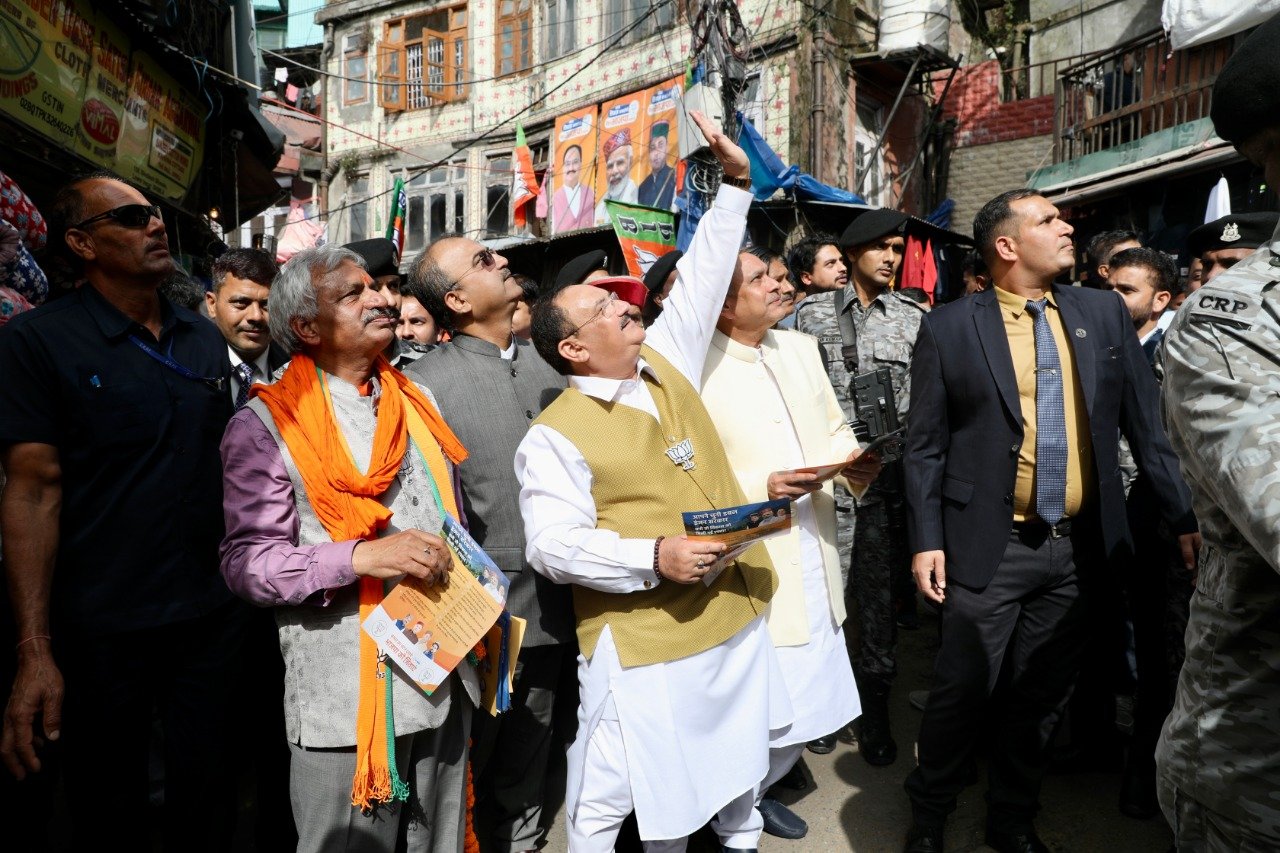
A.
x: 1219, y: 753
x: 886, y: 333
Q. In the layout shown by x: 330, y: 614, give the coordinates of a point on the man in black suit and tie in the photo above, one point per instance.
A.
x: 1029, y: 384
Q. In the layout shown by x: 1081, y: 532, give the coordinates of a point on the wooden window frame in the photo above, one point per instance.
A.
x: 517, y: 19
x: 361, y: 52
x: 399, y: 90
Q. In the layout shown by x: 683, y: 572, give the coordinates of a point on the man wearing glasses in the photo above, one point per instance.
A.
x: 675, y: 659
x: 490, y: 386
x: 111, y: 409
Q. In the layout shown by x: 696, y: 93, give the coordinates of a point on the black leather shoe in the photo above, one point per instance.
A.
x: 795, y: 778
x: 724, y: 849
x: 782, y: 821
x: 823, y: 745
x: 923, y: 839
x: 1015, y: 842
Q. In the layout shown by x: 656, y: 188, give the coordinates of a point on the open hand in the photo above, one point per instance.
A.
x: 731, y: 157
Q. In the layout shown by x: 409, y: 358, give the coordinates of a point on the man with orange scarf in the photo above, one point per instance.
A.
x: 337, y: 479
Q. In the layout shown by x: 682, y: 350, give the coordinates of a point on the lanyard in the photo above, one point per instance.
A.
x: 166, y: 358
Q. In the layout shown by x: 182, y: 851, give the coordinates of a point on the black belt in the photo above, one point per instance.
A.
x: 1040, y: 526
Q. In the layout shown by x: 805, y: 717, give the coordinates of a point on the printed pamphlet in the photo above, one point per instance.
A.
x: 738, y: 527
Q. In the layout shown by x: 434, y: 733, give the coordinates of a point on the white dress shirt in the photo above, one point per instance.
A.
x: 260, y: 372
x: 700, y: 725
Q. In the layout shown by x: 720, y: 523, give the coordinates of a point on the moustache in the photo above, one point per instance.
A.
x: 379, y: 313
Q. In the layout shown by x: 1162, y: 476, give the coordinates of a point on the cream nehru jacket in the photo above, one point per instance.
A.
x: 740, y: 393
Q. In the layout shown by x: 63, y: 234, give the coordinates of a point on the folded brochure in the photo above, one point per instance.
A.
x: 738, y: 527
x: 826, y: 472
x: 427, y: 630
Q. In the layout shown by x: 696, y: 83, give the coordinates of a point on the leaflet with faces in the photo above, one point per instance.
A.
x: 738, y: 527
x: 428, y: 630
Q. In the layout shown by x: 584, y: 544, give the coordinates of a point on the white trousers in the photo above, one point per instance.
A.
x: 781, y: 760
x: 605, y: 802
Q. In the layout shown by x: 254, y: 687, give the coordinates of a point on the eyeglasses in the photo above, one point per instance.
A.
x: 486, y: 259
x: 604, y: 309
x: 128, y: 215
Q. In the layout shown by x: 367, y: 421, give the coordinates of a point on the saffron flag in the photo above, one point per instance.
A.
x: 645, y: 233
x: 395, y: 223
x: 525, y: 188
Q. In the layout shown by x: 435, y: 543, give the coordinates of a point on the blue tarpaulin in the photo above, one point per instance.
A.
x: 769, y: 174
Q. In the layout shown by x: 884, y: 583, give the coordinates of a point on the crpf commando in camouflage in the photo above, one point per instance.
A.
x: 1221, y: 405
x: 886, y: 331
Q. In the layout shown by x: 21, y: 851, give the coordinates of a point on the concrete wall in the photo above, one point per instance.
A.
x: 981, y: 172
x: 1061, y: 30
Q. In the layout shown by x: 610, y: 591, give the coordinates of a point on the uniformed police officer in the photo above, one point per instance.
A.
x: 1219, y: 753
x: 1221, y: 244
x: 885, y: 325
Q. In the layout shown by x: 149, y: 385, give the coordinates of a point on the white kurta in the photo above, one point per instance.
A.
x: 696, y: 730
x: 818, y: 674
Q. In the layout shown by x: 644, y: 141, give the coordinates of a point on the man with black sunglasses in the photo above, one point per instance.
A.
x: 111, y: 411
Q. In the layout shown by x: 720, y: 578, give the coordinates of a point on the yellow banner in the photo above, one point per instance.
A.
x: 68, y: 73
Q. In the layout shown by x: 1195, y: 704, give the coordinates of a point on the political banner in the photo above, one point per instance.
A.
x: 573, y: 182
x: 644, y: 233
x: 663, y: 170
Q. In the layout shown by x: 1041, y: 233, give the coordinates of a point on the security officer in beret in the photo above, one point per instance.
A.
x: 579, y: 269
x: 658, y: 281
x: 885, y: 325
x: 382, y: 262
x: 1225, y: 242
x: 1219, y: 753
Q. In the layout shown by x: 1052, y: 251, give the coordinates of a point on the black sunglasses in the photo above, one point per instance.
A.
x: 128, y: 215
x: 486, y: 258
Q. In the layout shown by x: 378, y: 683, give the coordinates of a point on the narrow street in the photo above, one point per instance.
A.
x: 853, y: 806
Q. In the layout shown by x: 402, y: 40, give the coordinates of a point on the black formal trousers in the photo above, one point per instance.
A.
x: 184, y: 674
x: 1031, y: 618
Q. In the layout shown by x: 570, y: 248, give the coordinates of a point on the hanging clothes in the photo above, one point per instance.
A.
x: 918, y: 267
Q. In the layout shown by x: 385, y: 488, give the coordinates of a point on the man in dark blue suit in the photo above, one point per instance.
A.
x: 1018, y: 395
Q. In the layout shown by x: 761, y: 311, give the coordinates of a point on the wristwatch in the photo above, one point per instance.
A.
x: 740, y: 183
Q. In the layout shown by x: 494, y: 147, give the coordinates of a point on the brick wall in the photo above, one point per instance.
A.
x: 981, y: 172
x: 974, y: 101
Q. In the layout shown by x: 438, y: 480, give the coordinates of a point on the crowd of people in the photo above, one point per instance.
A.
x: 207, y: 494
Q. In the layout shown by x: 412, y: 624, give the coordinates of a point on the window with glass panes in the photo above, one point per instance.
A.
x: 499, y: 180
x: 358, y: 211
x: 355, y: 67
x: 560, y: 28
x: 620, y: 15
x: 437, y: 205
x: 511, y: 30
x: 422, y: 59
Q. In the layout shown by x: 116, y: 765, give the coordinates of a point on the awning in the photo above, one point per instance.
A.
x: 1116, y: 181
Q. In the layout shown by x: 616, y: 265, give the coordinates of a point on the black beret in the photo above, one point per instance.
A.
x: 873, y: 225
x: 379, y: 255
x: 656, y: 277
x: 580, y: 267
x: 1233, y: 231
x: 1246, y: 96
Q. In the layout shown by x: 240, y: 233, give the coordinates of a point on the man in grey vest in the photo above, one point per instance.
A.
x: 490, y: 386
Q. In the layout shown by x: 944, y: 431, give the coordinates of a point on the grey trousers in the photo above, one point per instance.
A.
x: 433, y: 820
x: 512, y: 751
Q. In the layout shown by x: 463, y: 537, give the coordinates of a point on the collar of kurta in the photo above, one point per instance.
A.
x: 742, y: 351
x: 609, y: 390
x: 481, y: 347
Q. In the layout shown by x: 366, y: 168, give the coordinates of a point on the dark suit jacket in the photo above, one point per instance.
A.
x: 489, y: 403
x: 965, y: 428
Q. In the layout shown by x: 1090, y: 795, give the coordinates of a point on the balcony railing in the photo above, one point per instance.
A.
x: 1134, y: 90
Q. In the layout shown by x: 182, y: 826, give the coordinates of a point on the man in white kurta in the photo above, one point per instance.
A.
x: 684, y: 741
x: 775, y: 411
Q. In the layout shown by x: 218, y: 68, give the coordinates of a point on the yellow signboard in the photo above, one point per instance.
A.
x: 70, y: 75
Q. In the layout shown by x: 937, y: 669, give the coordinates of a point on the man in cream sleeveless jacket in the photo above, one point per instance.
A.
x: 679, y: 683
x: 775, y: 411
